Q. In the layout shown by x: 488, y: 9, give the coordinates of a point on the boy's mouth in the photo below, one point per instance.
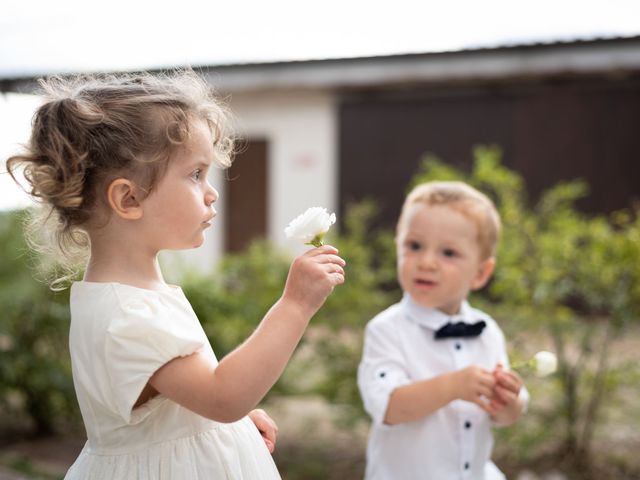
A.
x: 425, y: 283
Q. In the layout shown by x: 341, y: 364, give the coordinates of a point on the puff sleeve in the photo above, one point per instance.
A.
x: 146, y: 334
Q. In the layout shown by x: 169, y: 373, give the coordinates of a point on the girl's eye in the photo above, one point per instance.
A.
x: 448, y: 252
x: 196, y: 175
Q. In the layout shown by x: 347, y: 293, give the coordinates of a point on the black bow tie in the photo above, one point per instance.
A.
x: 460, y: 329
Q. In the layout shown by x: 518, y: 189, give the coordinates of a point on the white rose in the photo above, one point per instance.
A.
x: 311, y: 226
x: 544, y: 363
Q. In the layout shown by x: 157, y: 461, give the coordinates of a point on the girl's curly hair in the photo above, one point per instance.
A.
x: 93, y: 129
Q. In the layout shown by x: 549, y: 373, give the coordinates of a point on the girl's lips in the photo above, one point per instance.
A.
x: 209, y: 220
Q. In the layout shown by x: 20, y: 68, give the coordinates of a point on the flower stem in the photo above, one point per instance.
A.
x: 317, y: 241
x: 529, y: 364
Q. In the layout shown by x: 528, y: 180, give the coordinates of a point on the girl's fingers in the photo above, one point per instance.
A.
x: 333, y: 268
x: 324, y: 249
x: 265, y: 424
x: 270, y: 445
x: 331, y: 259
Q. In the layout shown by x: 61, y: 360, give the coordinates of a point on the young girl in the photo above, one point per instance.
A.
x: 120, y: 167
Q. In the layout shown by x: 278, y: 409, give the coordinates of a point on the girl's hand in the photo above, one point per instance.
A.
x: 475, y: 384
x: 266, y: 426
x: 312, y: 277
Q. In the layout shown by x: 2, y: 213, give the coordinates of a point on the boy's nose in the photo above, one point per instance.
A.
x: 427, y: 260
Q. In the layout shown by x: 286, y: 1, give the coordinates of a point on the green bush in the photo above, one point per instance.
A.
x: 35, y: 371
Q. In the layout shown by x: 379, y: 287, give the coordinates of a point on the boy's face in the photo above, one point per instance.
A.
x: 439, y: 257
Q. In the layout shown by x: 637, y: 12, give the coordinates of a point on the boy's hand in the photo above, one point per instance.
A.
x: 505, y: 399
x: 507, y: 389
x: 312, y: 277
x: 475, y: 384
x: 266, y: 426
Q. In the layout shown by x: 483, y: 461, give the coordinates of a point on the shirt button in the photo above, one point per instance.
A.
x: 467, y: 424
x: 466, y: 466
x: 458, y: 346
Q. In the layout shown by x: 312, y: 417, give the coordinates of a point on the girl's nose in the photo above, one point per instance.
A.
x: 211, y: 195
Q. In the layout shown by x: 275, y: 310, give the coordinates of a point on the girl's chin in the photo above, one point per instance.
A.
x: 195, y: 243
x: 198, y: 243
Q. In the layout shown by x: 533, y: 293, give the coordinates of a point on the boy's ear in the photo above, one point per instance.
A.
x: 484, y: 273
x: 124, y: 199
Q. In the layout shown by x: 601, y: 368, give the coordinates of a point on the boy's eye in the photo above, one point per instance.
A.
x: 413, y: 246
x: 196, y: 175
x: 449, y: 252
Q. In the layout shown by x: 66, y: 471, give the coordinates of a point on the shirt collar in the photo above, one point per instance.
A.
x: 433, y: 318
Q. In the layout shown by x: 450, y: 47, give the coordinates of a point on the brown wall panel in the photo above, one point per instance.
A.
x: 247, y: 195
x: 549, y: 132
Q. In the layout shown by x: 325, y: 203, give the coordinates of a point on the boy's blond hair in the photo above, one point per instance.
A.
x: 473, y: 204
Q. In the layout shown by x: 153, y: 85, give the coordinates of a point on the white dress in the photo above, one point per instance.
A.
x: 120, y: 335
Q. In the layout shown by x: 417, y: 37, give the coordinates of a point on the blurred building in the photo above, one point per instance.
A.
x: 328, y: 132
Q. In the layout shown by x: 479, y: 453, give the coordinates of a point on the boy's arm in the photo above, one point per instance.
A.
x: 416, y: 400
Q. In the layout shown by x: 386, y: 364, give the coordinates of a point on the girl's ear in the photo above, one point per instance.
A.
x: 484, y: 273
x: 124, y: 199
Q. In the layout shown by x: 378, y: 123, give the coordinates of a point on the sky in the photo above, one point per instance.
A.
x: 39, y: 37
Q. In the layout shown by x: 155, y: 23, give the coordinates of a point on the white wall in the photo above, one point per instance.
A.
x: 300, y: 128
x: 16, y: 111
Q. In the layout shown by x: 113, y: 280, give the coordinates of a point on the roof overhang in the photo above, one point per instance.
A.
x: 467, y: 66
x: 541, y: 60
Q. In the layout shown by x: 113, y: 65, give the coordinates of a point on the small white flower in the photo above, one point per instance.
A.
x: 311, y: 226
x: 544, y: 363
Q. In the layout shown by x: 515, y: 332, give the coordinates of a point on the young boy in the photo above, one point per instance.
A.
x: 432, y: 375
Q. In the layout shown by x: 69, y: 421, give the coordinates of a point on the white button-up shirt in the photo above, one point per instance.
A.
x: 454, y: 442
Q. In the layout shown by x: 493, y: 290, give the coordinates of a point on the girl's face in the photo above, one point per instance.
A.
x: 439, y: 257
x: 180, y: 207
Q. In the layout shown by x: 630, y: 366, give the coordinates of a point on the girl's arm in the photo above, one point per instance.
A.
x: 416, y: 400
x: 228, y: 391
